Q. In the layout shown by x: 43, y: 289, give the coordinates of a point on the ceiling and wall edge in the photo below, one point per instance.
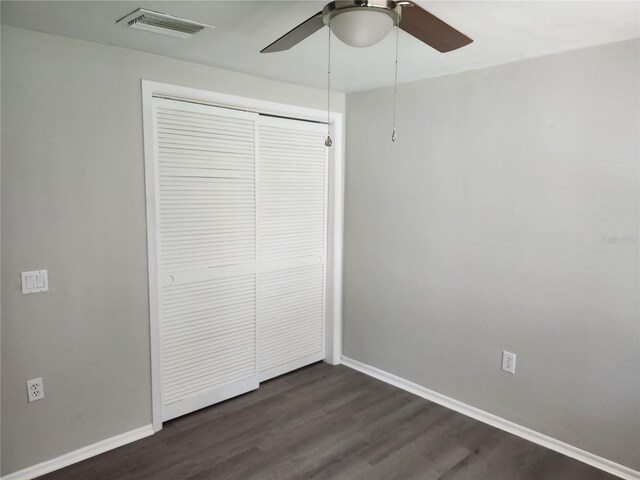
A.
x: 503, y: 32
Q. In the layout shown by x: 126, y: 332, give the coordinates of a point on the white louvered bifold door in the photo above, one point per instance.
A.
x: 292, y: 224
x: 206, y: 241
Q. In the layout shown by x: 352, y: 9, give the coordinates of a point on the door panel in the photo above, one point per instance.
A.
x: 292, y: 223
x: 207, y: 253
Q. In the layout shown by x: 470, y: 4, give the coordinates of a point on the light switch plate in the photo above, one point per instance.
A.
x: 35, y: 282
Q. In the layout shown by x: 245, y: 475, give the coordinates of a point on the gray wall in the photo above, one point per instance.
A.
x: 73, y: 203
x: 488, y: 225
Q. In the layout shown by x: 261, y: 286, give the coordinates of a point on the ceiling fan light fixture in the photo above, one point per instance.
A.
x: 361, y: 28
x: 405, y: 14
x: 361, y: 23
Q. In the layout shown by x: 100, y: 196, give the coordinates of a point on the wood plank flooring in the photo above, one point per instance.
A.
x: 324, y: 422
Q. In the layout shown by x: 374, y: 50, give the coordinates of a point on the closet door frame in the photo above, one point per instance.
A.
x: 335, y: 208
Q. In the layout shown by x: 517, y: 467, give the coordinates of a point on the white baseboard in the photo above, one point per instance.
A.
x: 80, y: 454
x: 495, y: 421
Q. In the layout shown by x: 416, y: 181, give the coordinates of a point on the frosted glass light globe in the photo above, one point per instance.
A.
x: 361, y: 28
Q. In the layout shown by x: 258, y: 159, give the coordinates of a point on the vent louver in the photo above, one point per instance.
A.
x: 143, y: 19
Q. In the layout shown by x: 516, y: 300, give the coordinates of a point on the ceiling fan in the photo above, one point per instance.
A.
x: 362, y: 23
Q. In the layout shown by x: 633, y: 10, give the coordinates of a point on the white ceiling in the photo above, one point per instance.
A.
x: 502, y: 32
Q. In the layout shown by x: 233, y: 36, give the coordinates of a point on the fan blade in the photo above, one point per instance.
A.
x: 295, y: 36
x: 431, y: 30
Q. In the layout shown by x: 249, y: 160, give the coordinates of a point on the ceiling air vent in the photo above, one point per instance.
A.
x: 143, y: 19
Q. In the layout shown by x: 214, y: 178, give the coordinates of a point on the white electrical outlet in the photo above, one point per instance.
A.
x: 35, y: 389
x: 508, y: 362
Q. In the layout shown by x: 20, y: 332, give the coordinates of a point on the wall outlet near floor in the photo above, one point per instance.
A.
x: 35, y: 389
x: 508, y: 362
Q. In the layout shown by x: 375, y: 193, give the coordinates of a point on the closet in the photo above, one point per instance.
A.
x: 240, y: 242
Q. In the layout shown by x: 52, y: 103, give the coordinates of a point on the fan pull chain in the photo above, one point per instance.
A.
x: 328, y: 141
x: 394, y: 134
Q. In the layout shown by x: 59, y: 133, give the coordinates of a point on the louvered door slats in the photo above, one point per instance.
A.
x: 292, y: 181
x: 241, y: 249
x: 207, y: 253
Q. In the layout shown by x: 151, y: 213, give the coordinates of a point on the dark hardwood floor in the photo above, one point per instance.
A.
x: 324, y: 422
